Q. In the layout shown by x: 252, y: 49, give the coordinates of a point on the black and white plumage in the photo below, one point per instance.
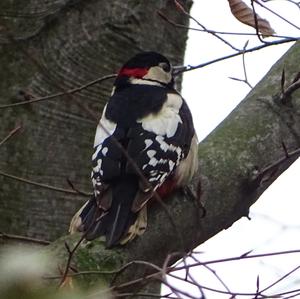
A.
x: 150, y: 120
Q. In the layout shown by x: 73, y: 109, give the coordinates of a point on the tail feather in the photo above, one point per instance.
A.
x: 89, y: 214
x: 137, y: 228
x: 112, y: 237
x: 83, y: 217
x: 114, y: 222
x: 120, y: 215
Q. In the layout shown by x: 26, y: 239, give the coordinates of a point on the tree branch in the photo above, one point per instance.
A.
x: 29, y: 99
x: 41, y: 185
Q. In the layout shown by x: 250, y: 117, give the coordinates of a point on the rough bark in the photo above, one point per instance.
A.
x: 52, y: 46
x: 231, y: 159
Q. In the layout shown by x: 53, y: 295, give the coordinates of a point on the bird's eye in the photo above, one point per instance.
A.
x: 165, y: 66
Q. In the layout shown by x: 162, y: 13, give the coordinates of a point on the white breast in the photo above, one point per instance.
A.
x: 166, y: 121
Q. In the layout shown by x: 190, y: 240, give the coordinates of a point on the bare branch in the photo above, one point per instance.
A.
x: 70, y: 256
x: 278, y: 15
x: 256, y: 24
x: 130, y: 295
x: 181, y: 8
x: 271, y: 169
x: 177, y: 25
x: 45, y: 186
x: 77, y: 190
x: 281, y: 279
x: 245, y: 80
x: 277, y: 42
x: 59, y: 94
x: 10, y: 134
x: 286, y: 95
x: 5, y: 236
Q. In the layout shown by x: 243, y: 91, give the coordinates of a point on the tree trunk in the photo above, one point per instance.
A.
x: 48, y: 48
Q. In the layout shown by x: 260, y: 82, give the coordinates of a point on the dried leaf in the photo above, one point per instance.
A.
x: 245, y: 15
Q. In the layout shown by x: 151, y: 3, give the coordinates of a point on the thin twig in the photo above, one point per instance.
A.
x: 166, y: 270
x: 293, y: 296
x: 274, y: 166
x: 242, y: 257
x: 70, y: 256
x: 41, y: 185
x: 245, y: 80
x: 150, y: 295
x: 181, y: 8
x: 287, y: 155
x: 281, y: 278
x: 214, y: 272
x: 59, y: 94
x: 133, y: 263
x: 286, y: 95
x: 171, y: 22
x: 244, y: 66
x: 278, y: 42
x: 256, y: 24
x: 83, y: 273
x: 23, y: 238
x: 10, y: 134
x: 71, y: 252
x: 276, y: 14
x: 77, y: 190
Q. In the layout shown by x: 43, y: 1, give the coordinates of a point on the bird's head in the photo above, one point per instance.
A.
x: 149, y: 68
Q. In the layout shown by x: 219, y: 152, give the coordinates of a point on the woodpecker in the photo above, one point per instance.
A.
x: 145, y: 142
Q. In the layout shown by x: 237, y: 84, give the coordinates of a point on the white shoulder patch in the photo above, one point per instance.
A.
x: 166, y: 121
x: 104, y: 129
x: 145, y: 82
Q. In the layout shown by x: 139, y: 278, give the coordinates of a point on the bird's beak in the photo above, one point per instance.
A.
x: 177, y: 70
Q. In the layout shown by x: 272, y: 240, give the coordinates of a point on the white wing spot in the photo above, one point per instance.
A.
x: 153, y: 161
x: 171, y: 165
x: 163, y: 177
x: 151, y: 153
x: 104, y: 151
x: 97, y: 169
x: 96, y: 152
x: 93, y: 181
x: 148, y: 142
x: 163, y: 145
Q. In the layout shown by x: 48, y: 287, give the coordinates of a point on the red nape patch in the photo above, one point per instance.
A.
x: 167, y: 187
x: 135, y: 72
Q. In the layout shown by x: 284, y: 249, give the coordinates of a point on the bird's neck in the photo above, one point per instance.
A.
x: 125, y: 82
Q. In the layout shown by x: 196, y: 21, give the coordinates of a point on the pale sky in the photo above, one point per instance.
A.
x: 211, y: 96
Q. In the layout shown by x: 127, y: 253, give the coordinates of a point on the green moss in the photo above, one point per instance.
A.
x: 91, y: 256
